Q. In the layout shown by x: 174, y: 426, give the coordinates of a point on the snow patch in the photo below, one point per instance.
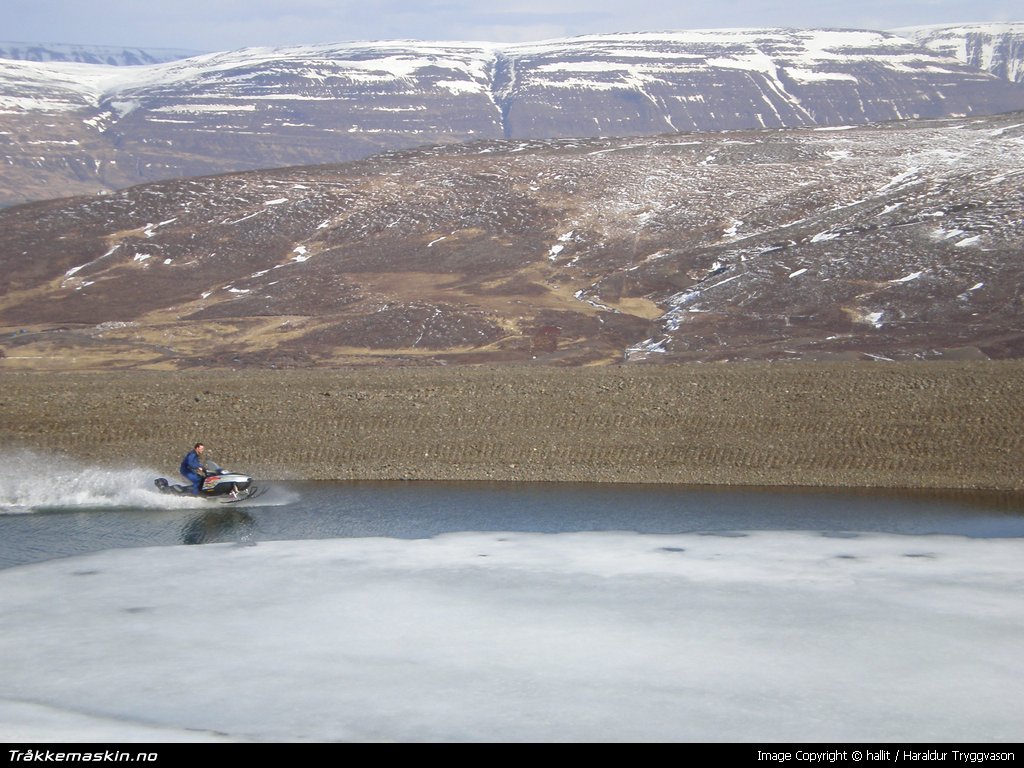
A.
x: 459, y: 86
x: 811, y: 76
x: 823, y: 236
x: 874, y: 319
x: 907, y: 278
x: 647, y: 347
x: 901, y: 179
x: 73, y: 270
x: 967, y: 294
x: 733, y: 229
x: 200, y: 109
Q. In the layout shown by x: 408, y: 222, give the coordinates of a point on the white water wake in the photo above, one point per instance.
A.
x: 31, y: 481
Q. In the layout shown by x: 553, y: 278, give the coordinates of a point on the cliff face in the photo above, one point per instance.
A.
x: 995, y: 48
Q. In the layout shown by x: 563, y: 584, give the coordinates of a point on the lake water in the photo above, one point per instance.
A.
x: 35, y: 527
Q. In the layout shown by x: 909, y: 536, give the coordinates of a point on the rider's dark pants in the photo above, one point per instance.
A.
x: 196, y: 480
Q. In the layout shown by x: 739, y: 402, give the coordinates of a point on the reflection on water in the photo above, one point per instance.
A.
x: 217, y: 525
x: 320, y: 510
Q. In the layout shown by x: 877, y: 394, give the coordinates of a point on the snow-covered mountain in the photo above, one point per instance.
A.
x: 68, y: 128
x: 995, y: 48
x: 899, y: 240
x: 91, y: 54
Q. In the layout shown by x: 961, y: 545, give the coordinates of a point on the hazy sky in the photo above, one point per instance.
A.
x: 215, y: 25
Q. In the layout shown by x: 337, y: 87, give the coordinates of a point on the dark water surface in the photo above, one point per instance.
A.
x: 320, y: 510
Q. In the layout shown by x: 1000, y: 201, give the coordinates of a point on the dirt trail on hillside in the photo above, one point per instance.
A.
x: 927, y: 425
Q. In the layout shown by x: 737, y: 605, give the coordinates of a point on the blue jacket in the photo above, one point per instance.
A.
x: 191, y: 464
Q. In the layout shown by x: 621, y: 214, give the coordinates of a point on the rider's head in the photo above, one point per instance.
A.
x: 198, y: 447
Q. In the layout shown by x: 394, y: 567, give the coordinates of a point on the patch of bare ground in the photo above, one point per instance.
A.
x: 913, y: 425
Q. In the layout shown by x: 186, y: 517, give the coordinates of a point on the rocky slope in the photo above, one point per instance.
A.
x: 909, y: 425
x: 900, y: 241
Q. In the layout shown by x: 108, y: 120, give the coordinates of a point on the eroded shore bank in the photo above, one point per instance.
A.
x: 911, y: 425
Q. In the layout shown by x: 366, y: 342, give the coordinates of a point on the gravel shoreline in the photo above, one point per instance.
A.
x: 888, y: 425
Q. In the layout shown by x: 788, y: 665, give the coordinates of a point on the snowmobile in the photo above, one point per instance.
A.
x: 219, y: 484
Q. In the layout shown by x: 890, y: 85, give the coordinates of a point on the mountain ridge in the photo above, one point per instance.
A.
x: 74, y: 128
x: 965, y: 41
x: 112, y: 55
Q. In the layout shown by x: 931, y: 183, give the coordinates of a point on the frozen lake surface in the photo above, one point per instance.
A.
x: 420, y: 612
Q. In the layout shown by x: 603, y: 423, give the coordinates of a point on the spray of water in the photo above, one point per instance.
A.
x: 30, y: 481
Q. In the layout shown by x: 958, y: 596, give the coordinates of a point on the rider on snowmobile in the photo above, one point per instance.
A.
x: 192, y: 468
